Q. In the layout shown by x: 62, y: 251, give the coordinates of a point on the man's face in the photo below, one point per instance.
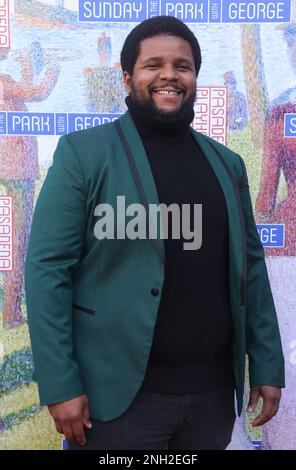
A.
x: 164, y: 75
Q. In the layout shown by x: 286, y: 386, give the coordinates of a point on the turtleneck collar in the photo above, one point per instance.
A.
x: 151, y: 128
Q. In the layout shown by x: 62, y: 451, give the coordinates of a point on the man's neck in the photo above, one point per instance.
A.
x: 151, y: 128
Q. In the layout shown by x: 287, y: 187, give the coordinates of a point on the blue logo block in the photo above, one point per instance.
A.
x: 61, y: 123
x: 264, y: 11
x: 64, y: 444
x: 215, y: 11
x: 290, y: 125
x: 3, y: 126
x: 77, y: 122
x: 272, y: 235
x: 257, y: 445
x: 15, y: 123
x: 196, y: 11
x: 30, y: 123
x: 119, y: 11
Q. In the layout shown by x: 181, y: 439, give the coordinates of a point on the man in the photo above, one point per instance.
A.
x: 136, y: 339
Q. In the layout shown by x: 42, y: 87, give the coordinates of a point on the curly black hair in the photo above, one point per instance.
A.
x: 152, y: 27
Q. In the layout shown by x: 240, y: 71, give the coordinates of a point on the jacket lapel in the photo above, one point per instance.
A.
x: 142, y: 172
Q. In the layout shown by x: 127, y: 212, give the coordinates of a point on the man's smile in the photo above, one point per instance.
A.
x: 165, y: 92
x: 168, y: 94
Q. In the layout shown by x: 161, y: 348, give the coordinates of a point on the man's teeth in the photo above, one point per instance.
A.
x: 163, y: 92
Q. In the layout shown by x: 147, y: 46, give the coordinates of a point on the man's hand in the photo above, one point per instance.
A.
x: 271, y: 399
x: 70, y: 417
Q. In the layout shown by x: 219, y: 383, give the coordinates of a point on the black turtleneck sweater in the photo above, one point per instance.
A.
x: 192, y: 342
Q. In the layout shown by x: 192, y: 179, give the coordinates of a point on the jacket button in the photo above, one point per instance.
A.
x: 154, y: 291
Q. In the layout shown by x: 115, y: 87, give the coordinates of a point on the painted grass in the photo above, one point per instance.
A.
x: 34, y: 433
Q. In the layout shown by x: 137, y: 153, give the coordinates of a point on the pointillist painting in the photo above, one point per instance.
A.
x: 278, y: 157
x: 60, y: 74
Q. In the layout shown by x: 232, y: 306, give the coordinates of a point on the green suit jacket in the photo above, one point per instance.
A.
x: 90, y: 309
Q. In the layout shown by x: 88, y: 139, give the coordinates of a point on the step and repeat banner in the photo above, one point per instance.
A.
x: 60, y: 73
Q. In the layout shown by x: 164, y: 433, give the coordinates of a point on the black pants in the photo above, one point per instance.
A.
x: 189, y: 421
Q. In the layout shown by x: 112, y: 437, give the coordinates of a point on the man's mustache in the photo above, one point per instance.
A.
x: 163, y: 87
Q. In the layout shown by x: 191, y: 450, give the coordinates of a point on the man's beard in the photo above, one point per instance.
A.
x: 148, y: 109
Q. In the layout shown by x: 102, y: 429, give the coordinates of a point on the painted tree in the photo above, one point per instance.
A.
x: 254, y: 80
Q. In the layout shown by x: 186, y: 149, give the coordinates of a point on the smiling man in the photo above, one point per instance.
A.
x: 139, y: 343
x: 164, y: 84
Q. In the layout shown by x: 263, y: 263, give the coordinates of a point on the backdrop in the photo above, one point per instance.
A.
x: 60, y: 72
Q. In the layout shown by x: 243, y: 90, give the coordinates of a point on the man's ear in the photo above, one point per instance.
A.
x: 127, y: 82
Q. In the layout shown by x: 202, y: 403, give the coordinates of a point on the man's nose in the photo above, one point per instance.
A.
x: 169, y: 73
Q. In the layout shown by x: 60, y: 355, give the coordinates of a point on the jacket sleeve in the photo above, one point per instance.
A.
x: 263, y: 342
x: 55, y: 244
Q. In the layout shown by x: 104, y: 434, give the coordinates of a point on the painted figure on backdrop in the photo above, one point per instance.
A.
x: 104, y: 49
x: 18, y: 171
x: 237, y: 105
x: 279, y: 155
x: 105, y: 90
